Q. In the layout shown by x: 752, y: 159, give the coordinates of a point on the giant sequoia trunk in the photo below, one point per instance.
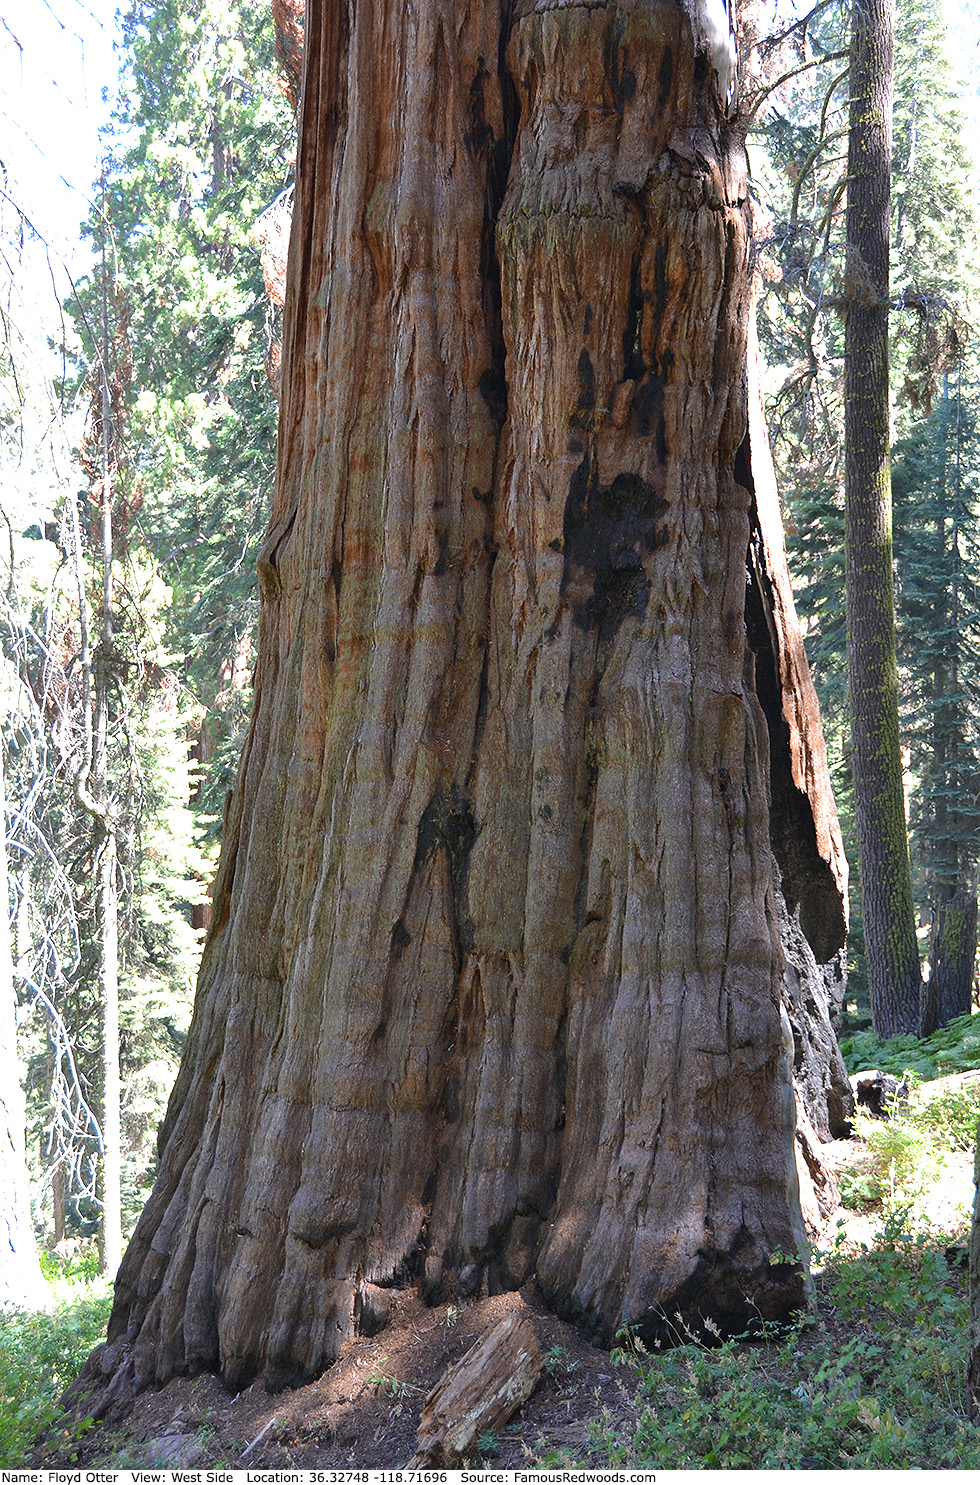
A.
x: 492, y: 987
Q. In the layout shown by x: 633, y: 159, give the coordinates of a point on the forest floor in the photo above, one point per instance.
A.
x: 591, y: 1408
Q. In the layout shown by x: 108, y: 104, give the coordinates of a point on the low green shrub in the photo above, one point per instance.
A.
x: 912, y: 1148
x: 951, y: 1117
x: 875, y: 1384
x: 956, y: 1048
x: 42, y: 1351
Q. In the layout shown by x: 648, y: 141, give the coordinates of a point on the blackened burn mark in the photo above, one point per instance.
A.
x: 483, y: 143
x: 561, y: 1067
x: 479, y: 728
x: 479, y: 135
x: 665, y: 77
x: 493, y: 390
x: 648, y: 411
x: 612, y: 55
x: 584, y: 414
x: 648, y: 398
x: 719, y: 1286
x: 405, y: 1271
x: 609, y: 529
x: 633, y: 364
x: 448, y: 823
x: 742, y: 467
x: 450, y: 1099
x: 660, y: 284
x: 400, y: 937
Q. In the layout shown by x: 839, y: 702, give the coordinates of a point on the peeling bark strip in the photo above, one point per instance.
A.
x: 492, y: 987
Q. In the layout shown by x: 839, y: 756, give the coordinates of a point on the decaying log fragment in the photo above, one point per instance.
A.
x: 479, y: 1393
x: 878, y: 1092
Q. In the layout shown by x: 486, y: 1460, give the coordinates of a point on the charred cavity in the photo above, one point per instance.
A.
x: 807, y: 879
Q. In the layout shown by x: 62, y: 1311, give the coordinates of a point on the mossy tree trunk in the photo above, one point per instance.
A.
x: 952, y: 956
x: 948, y: 849
x: 492, y: 985
x: 894, y: 978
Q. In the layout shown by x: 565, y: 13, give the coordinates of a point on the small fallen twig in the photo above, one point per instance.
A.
x: 260, y: 1435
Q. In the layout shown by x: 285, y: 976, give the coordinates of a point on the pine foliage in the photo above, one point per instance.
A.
x: 798, y: 165
x: 202, y: 142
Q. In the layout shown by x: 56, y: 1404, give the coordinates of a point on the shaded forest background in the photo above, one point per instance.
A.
x: 138, y: 455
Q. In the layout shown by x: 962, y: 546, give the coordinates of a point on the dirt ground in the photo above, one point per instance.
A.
x: 364, y: 1412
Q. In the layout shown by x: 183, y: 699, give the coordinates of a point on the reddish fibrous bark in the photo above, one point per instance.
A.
x: 492, y: 987
x: 288, y: 17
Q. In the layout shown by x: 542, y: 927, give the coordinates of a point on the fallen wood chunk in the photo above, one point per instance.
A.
x: 478, y: 1394
x: 878, y: 1092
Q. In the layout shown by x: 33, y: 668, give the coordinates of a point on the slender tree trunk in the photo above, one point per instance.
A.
x: 111, y: 1184
x: 111, y: 1228
x: 20, y: 1274
x: 973, y: 1334
x: 953, y: 940
x: 59, y: 1192
x: 894, y: 978
x: 492, y: 986
x: 89, y: 786
x: 952, y: 954
x: 92, y: 794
